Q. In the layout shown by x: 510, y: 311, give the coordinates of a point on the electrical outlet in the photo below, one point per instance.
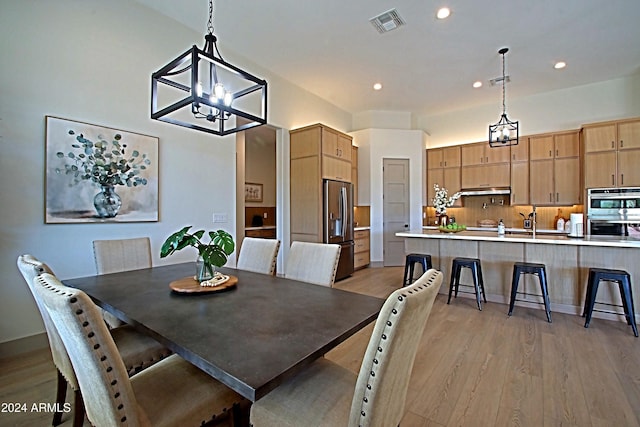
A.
x: 264, y: 215
x: 219, y: 217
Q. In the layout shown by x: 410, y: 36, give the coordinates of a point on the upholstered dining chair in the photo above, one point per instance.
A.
x: 319, y: 396
x: 114, y: 256
x: 172, y: 392
x: 137, y: 350
x: 313, y: 263
x: 258, y: 255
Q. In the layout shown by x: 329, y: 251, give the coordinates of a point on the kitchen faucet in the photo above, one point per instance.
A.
x: 534, y: 221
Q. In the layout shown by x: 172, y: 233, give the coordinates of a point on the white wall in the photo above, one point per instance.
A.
x: 374, y: 145
x: 92, y: 61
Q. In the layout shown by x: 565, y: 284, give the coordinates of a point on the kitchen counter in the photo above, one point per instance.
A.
x: 525, y: 237
x: 567, y: 262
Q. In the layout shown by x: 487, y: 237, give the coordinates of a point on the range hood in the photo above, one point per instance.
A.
x: 493, y: 191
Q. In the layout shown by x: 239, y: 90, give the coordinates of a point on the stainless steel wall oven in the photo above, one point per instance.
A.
x: 613, y: 211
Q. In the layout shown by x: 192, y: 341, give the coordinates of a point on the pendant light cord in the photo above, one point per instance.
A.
x: 504, y: 84
x: 210, y: 23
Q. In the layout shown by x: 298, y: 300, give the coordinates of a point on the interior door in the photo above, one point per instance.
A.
x: 395, y: 181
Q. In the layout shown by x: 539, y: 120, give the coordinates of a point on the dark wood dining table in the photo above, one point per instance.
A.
x: 250, y: 337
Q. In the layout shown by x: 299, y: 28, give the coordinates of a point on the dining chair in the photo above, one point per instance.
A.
x: 172, y: 392
x: 137, y: 350
x: 114, y: 256
x: 258, y: 255
x: 313, y: 263
x: 320, y: 395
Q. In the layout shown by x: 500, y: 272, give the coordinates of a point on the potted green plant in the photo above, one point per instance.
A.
x: 210, y: 255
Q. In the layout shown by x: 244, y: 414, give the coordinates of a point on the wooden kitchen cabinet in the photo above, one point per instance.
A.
x: 362, y: 251
x: 611, y: 150
x: 262, y: 233
x: 520, y: 173
x: 484, y: 166
x: 485, y: 176
x: 482, y: 154
x: 354, y: 173
x: 554, y: 169
x: 443, y: 168
x: 447, y: 157
x: 317, y: 152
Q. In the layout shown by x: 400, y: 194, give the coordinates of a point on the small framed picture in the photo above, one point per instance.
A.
x: 252, y: 192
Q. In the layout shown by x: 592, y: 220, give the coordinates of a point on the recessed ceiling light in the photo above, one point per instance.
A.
x: 377, y: 86
x: 477, y: 84
x: 560, y: 65
x: 443, y: 13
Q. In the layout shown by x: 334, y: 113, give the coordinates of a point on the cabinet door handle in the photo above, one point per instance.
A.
x: 550, y: 155
x: 445, y: 163
x: 621, y: 179
x: 613, y: 179
x: 613, y: 144
x: 551, y: 197
x: 557, y: 197
x: 557, y: 152
x: 621, y: 143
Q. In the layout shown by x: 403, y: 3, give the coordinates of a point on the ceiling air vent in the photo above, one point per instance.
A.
x: 390, y: 20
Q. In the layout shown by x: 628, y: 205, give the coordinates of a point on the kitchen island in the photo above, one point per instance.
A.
x: 567, y: 263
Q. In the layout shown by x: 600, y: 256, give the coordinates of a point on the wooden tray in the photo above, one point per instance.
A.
x: 189, y: 285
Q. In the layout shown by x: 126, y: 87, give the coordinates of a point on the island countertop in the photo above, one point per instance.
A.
x: 492, y: 236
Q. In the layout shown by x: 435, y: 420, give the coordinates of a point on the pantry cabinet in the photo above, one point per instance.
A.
x: 317, y: 152
x: 520, y: 173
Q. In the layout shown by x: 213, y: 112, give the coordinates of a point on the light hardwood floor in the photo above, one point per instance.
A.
x: 475, y: 368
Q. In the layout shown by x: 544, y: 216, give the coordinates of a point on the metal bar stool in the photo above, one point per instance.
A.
x: 536, y: 270
x: 476, y: 272
x: 623, y: 279
x: 409, y: 265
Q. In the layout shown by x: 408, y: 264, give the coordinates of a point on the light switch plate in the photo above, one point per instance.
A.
x: 219, y: 217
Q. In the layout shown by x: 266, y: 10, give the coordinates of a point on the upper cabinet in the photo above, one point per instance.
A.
x: 331, y: 147
x: 354, y: 173
x: 484, y: 166
x: 443, y: 168
x: 612, y: 152
x: 554, y: 169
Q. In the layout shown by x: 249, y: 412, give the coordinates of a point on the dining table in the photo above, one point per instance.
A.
x: 251, y: 336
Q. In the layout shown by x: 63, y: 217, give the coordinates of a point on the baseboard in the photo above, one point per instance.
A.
x: 24, y: 345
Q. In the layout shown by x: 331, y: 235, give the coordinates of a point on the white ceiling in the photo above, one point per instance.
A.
x: 330, y: 48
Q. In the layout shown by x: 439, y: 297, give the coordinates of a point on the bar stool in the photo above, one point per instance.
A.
x: 409, y: 265
x: 536, y: 270
x: 476, y: 271
x: 623, y: 279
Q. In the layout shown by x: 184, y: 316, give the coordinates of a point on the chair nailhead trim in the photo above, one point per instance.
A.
x: 375, y: 361
x: 373, y: 374
x: 388, y: 323
x: 379, y: 349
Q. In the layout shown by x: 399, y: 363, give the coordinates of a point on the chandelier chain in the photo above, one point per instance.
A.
x: 210, y: 23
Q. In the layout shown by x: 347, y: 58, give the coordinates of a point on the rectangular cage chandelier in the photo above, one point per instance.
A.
x: 505, y: 132
x: 201, y: 91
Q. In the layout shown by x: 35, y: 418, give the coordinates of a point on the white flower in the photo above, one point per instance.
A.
x: 441, y: 201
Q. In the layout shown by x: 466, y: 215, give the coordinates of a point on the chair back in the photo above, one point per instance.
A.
x: 382, y: 383
x: 258, y: 255
x: 30, y: 267
x: 106, y: 390
x: 113, y: 256
x: 313, y: 263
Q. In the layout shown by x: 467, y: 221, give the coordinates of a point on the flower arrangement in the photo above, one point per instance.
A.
x: 214, y: 253
x: 441, y: 201
x: 104, y: 163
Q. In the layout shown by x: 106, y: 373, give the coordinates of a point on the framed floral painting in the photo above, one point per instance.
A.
x: 99, y: 174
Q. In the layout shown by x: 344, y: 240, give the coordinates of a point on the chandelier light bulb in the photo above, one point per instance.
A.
x: 228, y: 98
x: 218, y: 90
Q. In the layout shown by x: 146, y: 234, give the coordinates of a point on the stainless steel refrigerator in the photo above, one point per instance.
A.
x: 338, y: 222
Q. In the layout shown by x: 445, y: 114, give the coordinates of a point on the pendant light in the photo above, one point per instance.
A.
x: 201, y: 91
x: 505, y: 132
